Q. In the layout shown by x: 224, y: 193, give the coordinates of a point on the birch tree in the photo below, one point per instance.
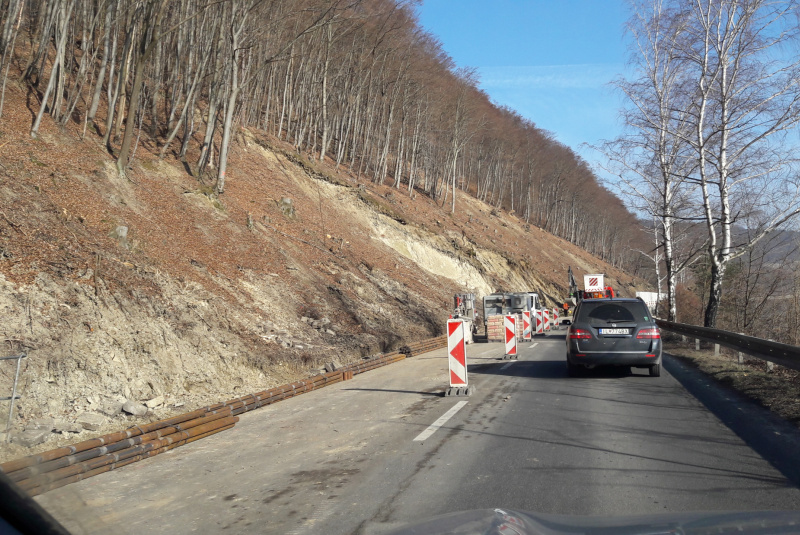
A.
x: 653, y: 159
x: 745, y: 100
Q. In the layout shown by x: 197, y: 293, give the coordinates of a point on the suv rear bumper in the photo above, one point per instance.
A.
x: 614, y: 359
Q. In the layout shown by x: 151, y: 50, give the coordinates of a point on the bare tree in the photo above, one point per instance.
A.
x: 372, y: 89
x: 744, y: 100
x: 654, y: 159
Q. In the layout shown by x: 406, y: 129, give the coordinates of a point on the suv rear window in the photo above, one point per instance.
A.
x: 609, y: 311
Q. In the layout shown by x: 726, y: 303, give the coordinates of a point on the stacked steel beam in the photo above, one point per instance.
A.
x: 60, y: 466
x: 273, y: 395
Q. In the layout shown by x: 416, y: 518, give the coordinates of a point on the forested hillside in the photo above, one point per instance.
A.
x: 222, y: 197
x: 358, y: 82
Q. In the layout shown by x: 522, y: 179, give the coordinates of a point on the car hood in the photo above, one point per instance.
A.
x: 510, y: 522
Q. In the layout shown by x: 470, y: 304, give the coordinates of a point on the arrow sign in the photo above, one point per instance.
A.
x: 526, y: 325
x: 457, y: 353
x: 510, y: 323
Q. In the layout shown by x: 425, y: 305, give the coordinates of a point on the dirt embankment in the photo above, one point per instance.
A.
x: 148, y: 289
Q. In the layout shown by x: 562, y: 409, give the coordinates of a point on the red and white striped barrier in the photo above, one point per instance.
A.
x: 510, y: 324
x: 457, y: 352
x: 526, y: 325
x: 556, y: 323
x: 546, y: 319
x: 539, y: 322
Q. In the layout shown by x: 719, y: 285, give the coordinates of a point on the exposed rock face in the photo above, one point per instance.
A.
x: 155, y: 293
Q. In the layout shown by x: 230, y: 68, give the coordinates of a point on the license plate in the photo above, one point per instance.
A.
x: 614, y: 331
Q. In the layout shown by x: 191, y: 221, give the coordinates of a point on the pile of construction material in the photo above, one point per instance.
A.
x: 495, y: 330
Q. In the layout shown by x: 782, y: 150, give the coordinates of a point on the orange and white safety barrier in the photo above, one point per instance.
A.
x: 457, y: 352
x: 526, y: 325
x: 510, y: 323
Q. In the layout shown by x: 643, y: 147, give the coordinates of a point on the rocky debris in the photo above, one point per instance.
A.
x: 41, y: 423
x: 62, y: 426
x: 333, y: 365
x: 316, y: 324
x: 155, y: 402
x: 53, y: 425
x: 30, y: 437
x: 121, y: 234
x: 90, y: 420
x: 322, y: 325
x: 286, y: 206
x: 134, y: 408
x: 112, y: 407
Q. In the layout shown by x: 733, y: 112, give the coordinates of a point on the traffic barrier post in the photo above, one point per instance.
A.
x: 539, y: 322
x: 526, y: 325
x: 457, y: 359
x: 510, y: 323
x: 546, y: 319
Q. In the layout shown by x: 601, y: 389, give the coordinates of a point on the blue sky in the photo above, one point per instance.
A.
x: 550, y: 60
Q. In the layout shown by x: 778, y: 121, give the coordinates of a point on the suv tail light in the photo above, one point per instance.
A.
x: 649, y: 334
x: 579, y: 334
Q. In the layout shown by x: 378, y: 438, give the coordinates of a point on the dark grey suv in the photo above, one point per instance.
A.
x: 617, y: 331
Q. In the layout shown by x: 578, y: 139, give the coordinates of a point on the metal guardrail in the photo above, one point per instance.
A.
x: 783, y: 354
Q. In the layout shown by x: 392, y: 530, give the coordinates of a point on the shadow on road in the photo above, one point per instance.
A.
x: 437, y: 394
x: 675, y: 466
x: 551, y: 369
x: 772, y: 437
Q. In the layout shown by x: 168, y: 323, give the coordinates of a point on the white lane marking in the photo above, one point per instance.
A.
x: 440, y: 422
x: 507, y: 365
x: 533, y: 344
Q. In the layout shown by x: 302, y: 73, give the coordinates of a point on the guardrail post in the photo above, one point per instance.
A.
x: 770, y: 364
x: 716, y: 350
x: 697, y: 344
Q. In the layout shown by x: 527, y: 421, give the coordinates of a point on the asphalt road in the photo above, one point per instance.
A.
x: 359, y: 456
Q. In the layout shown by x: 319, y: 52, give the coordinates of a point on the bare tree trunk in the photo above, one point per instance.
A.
x: 149, y: 39
x: 107, y: 52
x: 57, y: 71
